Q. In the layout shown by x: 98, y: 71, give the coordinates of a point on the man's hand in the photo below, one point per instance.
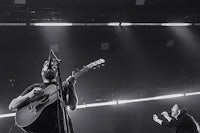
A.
x: 71, y: 80
x: 156, y: 119
x: 36, y: 92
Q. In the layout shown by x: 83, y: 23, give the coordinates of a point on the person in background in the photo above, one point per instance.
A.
x: 178, y: 119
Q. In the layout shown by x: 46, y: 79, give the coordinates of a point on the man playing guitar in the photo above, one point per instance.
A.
x: 51, y: 119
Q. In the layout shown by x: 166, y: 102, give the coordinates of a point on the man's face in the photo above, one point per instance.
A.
x: 175, y: 110
x: 49, y: 73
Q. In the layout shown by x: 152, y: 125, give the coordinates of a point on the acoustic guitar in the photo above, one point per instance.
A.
x: 28, y: 114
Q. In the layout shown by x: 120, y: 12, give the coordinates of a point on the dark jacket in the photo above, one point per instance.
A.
x: 183, y: 124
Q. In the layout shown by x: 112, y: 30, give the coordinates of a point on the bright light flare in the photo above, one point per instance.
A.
x: 81, y: 106
x: 101, y: 104
x: 51, y: 24
x: 7, y: 115
x: 121, y: 102
x: 135, y: 100
x: 192, y: 93
x: 114, y: 24
x: 12, y: 24
x: 176, y: 24
x: 126, y: 24
x: 168, y: 96
x: 150, y: 98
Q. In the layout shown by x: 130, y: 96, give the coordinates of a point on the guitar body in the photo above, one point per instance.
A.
x: 27, y: 115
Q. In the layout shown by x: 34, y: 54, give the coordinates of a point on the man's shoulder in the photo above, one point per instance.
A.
x: 30, y: 88
x: 186, y: 117
x: 35, y: 85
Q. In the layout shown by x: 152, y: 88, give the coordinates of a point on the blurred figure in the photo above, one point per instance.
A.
x: 178, y: 119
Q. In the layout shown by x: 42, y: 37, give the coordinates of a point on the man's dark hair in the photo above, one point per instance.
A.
x: 182, y: 108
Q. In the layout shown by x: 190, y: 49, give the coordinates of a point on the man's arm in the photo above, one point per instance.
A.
x: 156, y: 119
x: 69, y: 85
x: 20, y: 100
x: 166, y: 115
x: 16, y: 102
x: 161, y: 122
x: 73, y: 99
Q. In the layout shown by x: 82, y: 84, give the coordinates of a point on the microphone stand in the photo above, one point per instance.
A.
x: 63, y: 99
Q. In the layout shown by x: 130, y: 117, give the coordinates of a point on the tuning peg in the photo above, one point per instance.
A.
x: 76, y: 69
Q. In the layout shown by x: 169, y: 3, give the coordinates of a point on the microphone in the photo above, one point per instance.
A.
x: 55, y: 57
x: 49, y: 60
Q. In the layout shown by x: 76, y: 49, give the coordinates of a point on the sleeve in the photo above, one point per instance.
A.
x: 30, y: 88
x: 183, y: 121
x: 167, y: 124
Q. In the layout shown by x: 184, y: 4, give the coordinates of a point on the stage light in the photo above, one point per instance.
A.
x: 114, y: 24
x: 105, y: 46
x: 7, y: 115
x: 100, y: 24
x: 192, y: 93
x: 81, y: 106
x: 126, y: 24
x: 101, y: 104
x: 51, y: 24
x: 168, y: 96
x: 146, y: 24
x: 96, y: 24
x: 176, y: 24
x: 140, y: 2
x: 22, y: 2
x: 135, y: 100
x: 12, y: 24
x: 121, y: 102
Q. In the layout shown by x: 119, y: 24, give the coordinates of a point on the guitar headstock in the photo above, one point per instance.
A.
x: 96, y: 64
x: 93, y: 65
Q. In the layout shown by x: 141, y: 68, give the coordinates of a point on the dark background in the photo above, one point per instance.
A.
x: 141, y: 61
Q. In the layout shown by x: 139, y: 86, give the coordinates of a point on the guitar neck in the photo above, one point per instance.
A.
x: 92, y: 65
x: 79, y: 73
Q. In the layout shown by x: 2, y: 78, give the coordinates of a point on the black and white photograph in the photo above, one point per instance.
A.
x: 99, y: 66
